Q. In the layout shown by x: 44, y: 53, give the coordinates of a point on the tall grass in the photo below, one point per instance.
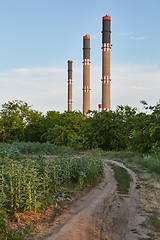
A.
x: 17, y: 148
x: 31, y: 183
x: 123, y: 179
x: 149, y: 162
x: 34, y: 176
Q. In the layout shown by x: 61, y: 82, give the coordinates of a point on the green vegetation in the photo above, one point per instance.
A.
x: 154, y: 220
x: 31, y: 181
x: 3, y: 223
x: 148, y: 162
x: 125, y: 129
x: 39, y: 160
x: 123, y: 179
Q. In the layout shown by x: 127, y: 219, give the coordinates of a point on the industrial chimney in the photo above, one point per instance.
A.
x: 86, y: 75
x: 106, y: 47
x: 69, y: 85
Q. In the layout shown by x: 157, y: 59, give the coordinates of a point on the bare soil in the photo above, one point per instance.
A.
x: 104, y: 214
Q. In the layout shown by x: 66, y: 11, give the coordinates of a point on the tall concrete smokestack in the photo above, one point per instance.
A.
x: 69, y: 85
x: 86, y: 75
x: 106, y: 47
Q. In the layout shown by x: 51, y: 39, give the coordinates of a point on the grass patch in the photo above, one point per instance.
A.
x: 147, y: 162
x: 123, y: 179
x: 155, y: 222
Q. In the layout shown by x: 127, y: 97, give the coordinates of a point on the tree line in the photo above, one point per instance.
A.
x: 126, y: 128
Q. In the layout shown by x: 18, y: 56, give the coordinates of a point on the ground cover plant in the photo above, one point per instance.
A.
x: 34, y: 181
x: 148, y: 162
x: 122, y: 177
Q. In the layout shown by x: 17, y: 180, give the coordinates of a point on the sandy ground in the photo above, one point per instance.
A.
x: 104, y: 214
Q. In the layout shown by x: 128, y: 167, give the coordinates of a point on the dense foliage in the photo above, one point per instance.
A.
x: 39, y: 164
x: 123, y: 129
x: 35, y: 176
x: 31, y: 182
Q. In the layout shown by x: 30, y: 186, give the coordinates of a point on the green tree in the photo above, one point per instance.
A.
x: 106, y: 130
x: 65, y: 128
x: 35, y: 127
x: 51, y: 119
x: 14, y: 118
x: 112, y: 129
x: 145, y: 131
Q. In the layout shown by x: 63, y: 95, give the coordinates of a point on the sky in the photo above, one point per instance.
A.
x: 38, y: 37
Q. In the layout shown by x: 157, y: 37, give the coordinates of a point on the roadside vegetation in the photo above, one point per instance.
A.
x: 45, y: 159
x: 35, y: 177
x: 147, y: 168
x: 122, y: 177
x: 149, y: 162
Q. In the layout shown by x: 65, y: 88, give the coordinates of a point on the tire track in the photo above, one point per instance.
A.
x: 102, y: 214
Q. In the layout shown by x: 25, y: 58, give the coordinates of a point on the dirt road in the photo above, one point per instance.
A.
x: 103, y: 214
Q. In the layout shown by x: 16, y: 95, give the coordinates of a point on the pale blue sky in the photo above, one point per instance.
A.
x: 37, y: 37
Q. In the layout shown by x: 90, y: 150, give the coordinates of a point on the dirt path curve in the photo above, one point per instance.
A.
x: 102, y: 214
